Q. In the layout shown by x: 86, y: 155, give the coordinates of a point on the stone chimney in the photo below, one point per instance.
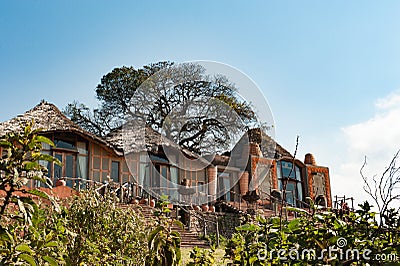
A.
x: 309, y: 159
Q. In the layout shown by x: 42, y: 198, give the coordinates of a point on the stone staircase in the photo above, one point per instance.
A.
x: 188, y: 238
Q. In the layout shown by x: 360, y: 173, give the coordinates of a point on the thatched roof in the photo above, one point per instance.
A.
x: 136, y: 140
x: 49, y: 118
x: 127, y: 139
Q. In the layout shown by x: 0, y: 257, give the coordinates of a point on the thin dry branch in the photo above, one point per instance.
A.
x: 383, y: 192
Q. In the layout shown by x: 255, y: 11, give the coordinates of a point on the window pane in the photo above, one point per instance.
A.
x: 104, y: 176
x: 115, y: 171
x: 69, y: 168
x: 46, y: 164
x: 300, y: 191
x: 201, y: 176
x: 64, y: 144
x: 278, y: 170
x: 96, y: 162
x: 82, y: 169
x: 155, y: 181
x: 227, y: 185
x: 174, y: 175
x: 105, y: 164
x: 291, y: 192
x: 223, y: 185
x: 82, y: 149
x: 96, y: 176
x: 58, y: 169
x: 287, y: 169
x: 298, y: 173
x: 125, y: 178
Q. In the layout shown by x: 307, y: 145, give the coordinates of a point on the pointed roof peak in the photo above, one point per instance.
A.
x: 48, y: 117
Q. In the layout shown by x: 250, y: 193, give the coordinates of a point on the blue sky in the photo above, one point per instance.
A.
x: 324, y: 66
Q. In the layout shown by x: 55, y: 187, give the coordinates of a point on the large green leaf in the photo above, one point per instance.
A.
x: 44, y: 140
x: 247, y: 227
x: 50, y: 260
x: 28, y: 258
x: 39, y: 193
x: 31, y: 165
x: 152, y: 236
x: 52, y: 244
x: 39, y: 178
x: 294, y: 224
x: 24, y: 248
x: 49, y: 158
x: 5, y: 144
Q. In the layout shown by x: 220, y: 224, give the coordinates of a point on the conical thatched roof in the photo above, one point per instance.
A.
x: 49, y: 118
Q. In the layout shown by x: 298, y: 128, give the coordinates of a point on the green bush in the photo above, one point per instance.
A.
x: 275, y: 241
x: 164, y: 242
x: 103, y: 233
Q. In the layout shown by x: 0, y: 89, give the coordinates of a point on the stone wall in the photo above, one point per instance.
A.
x: 226, y: 223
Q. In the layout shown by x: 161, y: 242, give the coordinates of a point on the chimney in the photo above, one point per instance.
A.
x: 309, y: 159
x: 255, y: 149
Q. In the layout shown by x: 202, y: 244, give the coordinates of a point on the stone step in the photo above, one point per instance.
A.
x: 188, y: 238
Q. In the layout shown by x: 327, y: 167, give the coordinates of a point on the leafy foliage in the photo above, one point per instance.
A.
x: 103, y: 233
x: 306, y: 240
x: 24, y: 238
x: 20, y: 164
x: 202, y: 257
x: 163, y: 241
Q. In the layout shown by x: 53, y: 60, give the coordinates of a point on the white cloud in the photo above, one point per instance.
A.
x: 390, y: 101
x: 377, y: 138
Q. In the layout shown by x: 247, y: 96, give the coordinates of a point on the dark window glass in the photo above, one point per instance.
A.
x: 57, y: 168
x: 115, y: 171
x: 64, y: 144
x: 224, y: 186
x: 294, y: 185
x: 69, y: 168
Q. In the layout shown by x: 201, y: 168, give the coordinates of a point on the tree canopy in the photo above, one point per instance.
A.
x: 189, y: 106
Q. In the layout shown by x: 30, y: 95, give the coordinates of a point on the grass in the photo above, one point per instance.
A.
x: 218, y: 255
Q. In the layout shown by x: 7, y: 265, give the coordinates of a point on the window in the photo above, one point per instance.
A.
x: 101, y: 163
x: 224, y: 185
x: 46, y: 149
x: 294, y: 182
x: 64, y: 144
x: 115, y: 171
x: 83, y: 161
x: 68, y: 167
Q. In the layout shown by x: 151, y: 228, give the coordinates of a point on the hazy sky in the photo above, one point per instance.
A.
x: 329, y: 69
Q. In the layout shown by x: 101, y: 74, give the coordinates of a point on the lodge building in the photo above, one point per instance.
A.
x: 85, y: 156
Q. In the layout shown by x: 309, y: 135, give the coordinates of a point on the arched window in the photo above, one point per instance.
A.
x: 294, y: 182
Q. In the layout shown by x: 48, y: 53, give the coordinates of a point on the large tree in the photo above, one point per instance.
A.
x: 182, y: 101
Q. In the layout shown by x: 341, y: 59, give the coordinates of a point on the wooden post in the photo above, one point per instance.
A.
x: 121, y: 194
x: 216, y: 218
